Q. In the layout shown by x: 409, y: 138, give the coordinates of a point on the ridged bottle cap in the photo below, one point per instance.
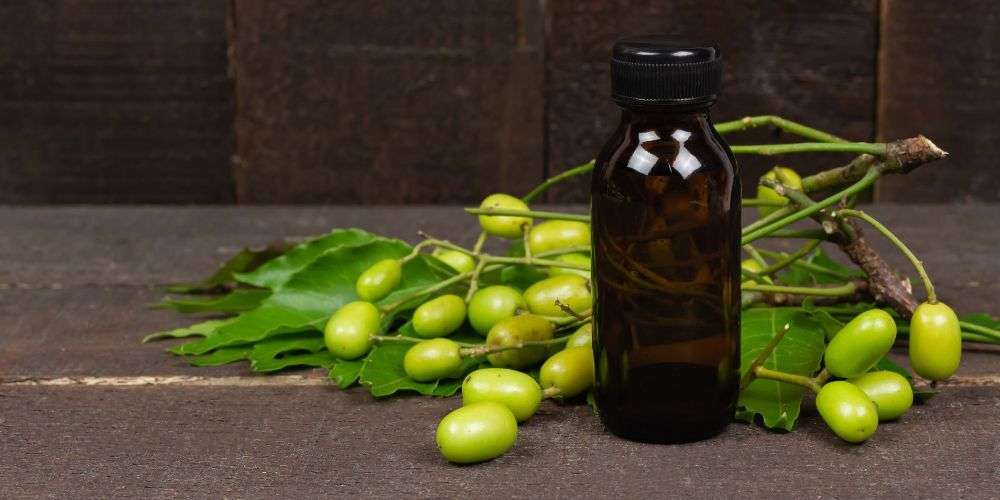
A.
x: 661, y: 70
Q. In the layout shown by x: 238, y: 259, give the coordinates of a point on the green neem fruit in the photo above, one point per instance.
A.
x: 459, y: 261
x: 571, y: 258
x: 753, y: 266
x: 571, y: 371
x: 509, y: 227
x: 890, y: 392
x: 582, y: 337
x: 512, y: 332
x: 439, y: 316
x: 558, y: 234
x: 379, y: 280
x: 860, y: 344
x: 433, y: 359
x: 511, y: 388
x: 570, y: 290
x: 492, y: 304
x: 476, y: 433
x: 348, y: 332
x: 846, y: 409
x: 787, y: 177
x: 935, y: 341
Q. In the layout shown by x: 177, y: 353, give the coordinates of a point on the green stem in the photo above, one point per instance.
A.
x: 769, y: 218
x: 809, y: 266
x: 928, y: 285
x: 480, y: 350
x: 807, y: 234
x: 532, y: 261
x: 785, y: 260
x: 789, y: 378
x: 876, y: 149
x: 980, y: 330
x: 416, y: 251
x: 757, y: 202
x: 412, y: 340
x: 756, y: 256
x: 762, y: 356
x: 551, y: 181
x: 796, y: 216
x: 777, y: 121
x: 834, y: 291
x: 391, y: 308
x: 535, y: 214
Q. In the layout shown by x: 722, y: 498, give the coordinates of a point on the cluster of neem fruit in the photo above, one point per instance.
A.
x: 519, y: 329
x: 853, y: 407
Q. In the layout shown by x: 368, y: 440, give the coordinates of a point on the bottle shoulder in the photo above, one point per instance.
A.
x: 667, y: 148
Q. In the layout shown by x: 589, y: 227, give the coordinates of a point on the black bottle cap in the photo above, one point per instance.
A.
x: 657, y: 69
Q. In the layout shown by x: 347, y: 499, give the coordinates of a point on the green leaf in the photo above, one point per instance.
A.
x: 276, y: 272
x: 345, y: 373
x: 244, y: 261
x: 321, y: 359
x: 236, y: 301
x: 383, y: 373
x: 308, y: 299
x: 202, y: 329
x: 266, y: 353
x: 799, y: 352
x: 221, y: 356
x: 830, y: 325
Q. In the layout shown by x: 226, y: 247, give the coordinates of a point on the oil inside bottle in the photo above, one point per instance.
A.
x: 666, y: 274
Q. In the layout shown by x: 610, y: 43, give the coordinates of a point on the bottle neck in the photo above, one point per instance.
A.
x: 690, y: 118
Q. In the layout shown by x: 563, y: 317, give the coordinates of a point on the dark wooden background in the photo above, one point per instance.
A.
x: 443, y: 101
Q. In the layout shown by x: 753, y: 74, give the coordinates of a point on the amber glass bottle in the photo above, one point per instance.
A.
x: 666, y: 231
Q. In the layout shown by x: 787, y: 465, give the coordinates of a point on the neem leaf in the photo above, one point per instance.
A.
x: 276, y: 272
x: 266, y: 353
x: 244, y: 261
x: 309, y: 297
x: 799, y: 352
x: 321, y: 359
x: 202, y: 329
x: 236, y: 301
x: 346, y: 373
x: 221, y: 356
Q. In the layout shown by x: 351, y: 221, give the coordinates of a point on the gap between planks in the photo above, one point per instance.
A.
x: 298, y: 381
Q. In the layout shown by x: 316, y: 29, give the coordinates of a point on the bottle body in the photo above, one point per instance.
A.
x: 666, y: 230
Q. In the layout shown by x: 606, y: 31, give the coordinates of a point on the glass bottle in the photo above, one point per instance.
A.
x: 666, y: 231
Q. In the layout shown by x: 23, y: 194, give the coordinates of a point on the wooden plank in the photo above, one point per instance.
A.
x: 939, y: 77
x: 387, y: 102
x: 91, y: 332
x: 82, y: 246
x: 114, y: 101
x: 313, y: 441
x: 807, y: 61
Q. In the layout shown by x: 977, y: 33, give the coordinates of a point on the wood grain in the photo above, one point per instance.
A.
x: 807, y: 61
x: 939, y: 77
x: 387, y: 102
x: 114, y: 101
x: 160, y: 442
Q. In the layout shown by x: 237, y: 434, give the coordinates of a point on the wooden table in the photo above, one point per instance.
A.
x: 86, y: 410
